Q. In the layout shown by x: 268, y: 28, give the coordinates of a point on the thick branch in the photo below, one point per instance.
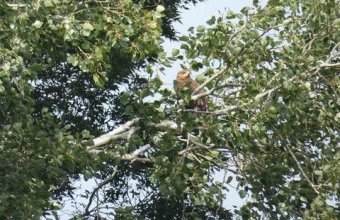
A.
x: 329, y: 64
x: 112, y: 135
x: 133, y: 156
x: 125, y: 131
x: 16, y: 6
x: 166, y: 124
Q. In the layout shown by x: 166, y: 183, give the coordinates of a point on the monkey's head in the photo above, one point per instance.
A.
x: 183, y: 74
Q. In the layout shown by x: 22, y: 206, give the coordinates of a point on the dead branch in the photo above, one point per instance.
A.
x: 301, y: 170
x: 112, y: 135
x: 100, y: 185
x: 134, y: 155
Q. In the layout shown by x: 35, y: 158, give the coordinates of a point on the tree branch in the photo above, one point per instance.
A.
x: 16, y: 6
x: 322, y: 64
x: 166, y: 124
x: 217, y: 74
x: 209, y: 92
x: 100, y: 185
x: 113, y: 135
x: 134, y: 155
x: 301, y: 170
x: 219, y: 112
x: 55, y: 215
x: 125, y: 131
x: 257, y: 97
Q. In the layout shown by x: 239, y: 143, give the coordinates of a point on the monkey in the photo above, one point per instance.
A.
x: 184, y: 81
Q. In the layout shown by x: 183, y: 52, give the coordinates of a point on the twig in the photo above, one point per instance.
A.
x: 228, y: 109
x: 257, y: 97
x: 217, y: 74
x: 100, y: 185
x: 307, y: 47
x: 209, y: 92
x: 55, y: 215
x: 331, y: 56
x: 190, y: 148
x: 301, y: 170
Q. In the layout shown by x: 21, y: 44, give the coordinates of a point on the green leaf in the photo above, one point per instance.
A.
x: 212, y: 20
x: 87, y: 26
x: 48, y: 3
x: 17, y: 126
x: 153, y: 24
x: 303, y: 199
x: 191, y: 156
x: 242, y: 194
x: 230, y: 14
x: 201, y: 28
x: 230, y: 178
x: 190, y: 166
x: 160, y: 8
x: 37, y: 24
x: 175, y: 52
x: 73, y: 60
x: 326, y: 168
x: 86, y: 134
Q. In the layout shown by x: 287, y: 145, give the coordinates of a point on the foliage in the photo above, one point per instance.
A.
x: 55, y: 57
x: 273, y: 122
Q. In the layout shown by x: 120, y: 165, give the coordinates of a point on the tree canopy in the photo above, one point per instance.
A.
x: 80, y: 100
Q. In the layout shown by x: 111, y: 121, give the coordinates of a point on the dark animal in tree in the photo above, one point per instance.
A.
x: 184, y: 82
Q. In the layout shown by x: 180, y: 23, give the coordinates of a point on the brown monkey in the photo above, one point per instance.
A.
x: 184, y: 81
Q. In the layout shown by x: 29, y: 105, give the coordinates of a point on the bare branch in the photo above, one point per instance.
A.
x: 227, y: 110
x: 133, y: 156
x: 16, y: 6
x: 100, y: 185
x: 322, y: 64
x: 301, y: 170
x: 112, y: 135
x: 333, y: 54
x: 55, y: 215
x: 130, y: 157
x: 125, y: 131
x: 230, y: 95
x: 166, y: 124
x: 193, y: 139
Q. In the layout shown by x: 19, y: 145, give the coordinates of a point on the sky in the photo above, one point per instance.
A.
x: 203, y: 11
x: 195, y: 16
